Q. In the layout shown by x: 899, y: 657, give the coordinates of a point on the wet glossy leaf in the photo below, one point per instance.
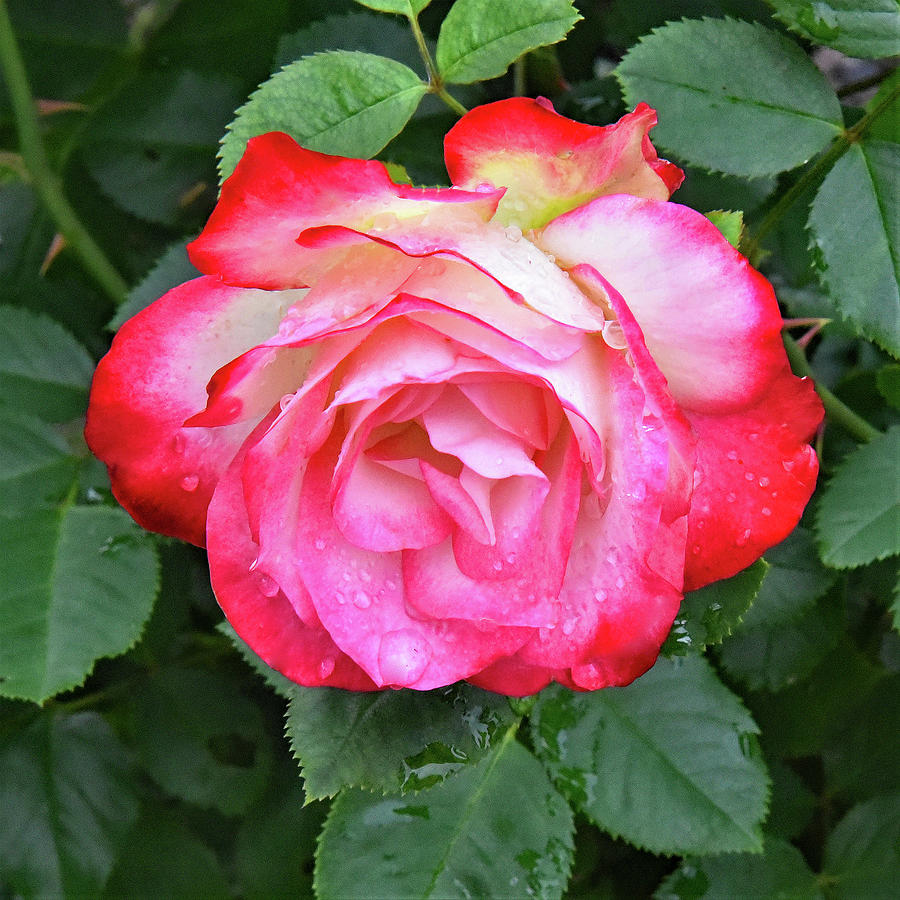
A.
x: 403, y: 7
x: 390, y: 740
x: 498, y: 828
x: 669, y: 763
x: 711, y: 613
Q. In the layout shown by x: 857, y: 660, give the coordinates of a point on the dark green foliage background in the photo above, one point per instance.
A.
x: 146, y: 752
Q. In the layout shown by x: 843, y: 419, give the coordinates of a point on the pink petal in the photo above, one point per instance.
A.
x: 257, y: 607
x: 278, y: 189
x: 711, y: 322
x: 550, y: 164
x: 360, y: 598
x: 153, y: 379
x: 755, y: 474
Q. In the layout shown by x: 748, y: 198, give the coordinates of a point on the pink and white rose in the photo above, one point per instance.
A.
x: 489, y: 432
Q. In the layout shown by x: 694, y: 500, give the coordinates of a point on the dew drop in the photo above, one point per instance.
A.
x: 403, y: 657
x: 749, y: 476
x: 178, y: 443
x: 285, y: 401
x: 614, y: 335
x: 190, y: 482
x: 253, y: 565
x: 599, y: 595
x: 766, y: 511
x: 497, y: 566
x: 763, y: 482
x: 390, y: 585
x: 326, y: 666
x: 787, y: 465
x: 268, y: 587
x: 732, y: 454
x: 513, y: 233
x: 319, y: 544
x: 568, y: 626
x: 620, y: 582
x: 741, y: 540
x: 365, y: 575
x: 510, y: 558
x: 696, y: 549
x: 731, y: 496
x: 362, y: 600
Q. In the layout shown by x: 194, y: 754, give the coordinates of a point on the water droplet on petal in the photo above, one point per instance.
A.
x: 599, y: 595
x: 763, y: 482
x: 614, y: 335
x: 620, y: 582
x: 749, y: 476
x: 319, y: 544
x: 190, y: 482
x: 362, y: 600
x: 497, y: 565
x: 510, y: 558
x: 253, y: 565
x: 732, y: 454
x: 568, y: 626
x: 742, y: 539
x: 268, y: 587
x: 178, y: 443
x: 285, y: 401
x: 326, y: 667
x: 403, y: 657
x: 787, y: 465
x: 390, y: 585
x: 513, y: 233
x: 731, y: 496
x: 696, y: 549
x: 766, y: 511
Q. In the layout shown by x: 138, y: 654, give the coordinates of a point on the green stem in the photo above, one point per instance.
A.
x: 836, y: 411
x: 519, y: 77
x: 816, y: 173
x: 435, y: 82
x: 47, y: 184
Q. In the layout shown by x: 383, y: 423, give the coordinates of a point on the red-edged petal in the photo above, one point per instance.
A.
x: 153, y: 379
x: 258, y: 608
x: 550, y: 164
x: 278, y: 189
x: 711, y: 321
x: 755, y: 474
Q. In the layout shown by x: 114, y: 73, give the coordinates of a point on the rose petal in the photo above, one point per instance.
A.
x: 279, y: 188
x: 550, y: 164
x: 359, y: 596
x: 258, y: 609
x: 153, y: 379
x: 755, y: 474
x: 711, y: 322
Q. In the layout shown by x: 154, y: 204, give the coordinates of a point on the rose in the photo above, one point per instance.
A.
x: 489, y: 432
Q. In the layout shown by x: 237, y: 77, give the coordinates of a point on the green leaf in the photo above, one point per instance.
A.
x: 201, y: 740
x: 43, y: 369
x: 861, y: 757
x: 770, y: 113
x: 860, y: 28
x: 772, y: 656
x: 79, y: 584
x: 480, y: 39
x: 888, y: 380
x: 711, y: 613
x: 152, y: 149
x: 669, y: 763
x: 344, y: 103
x: 730, y: 223
x: 884, y: 126
x: 862, y: 854
x: 36, y: 465
x: 495, y: 829
x: 163, y: 858
x: 402, y: 7
x: 67, y: 801
x: 858, y: 518
x: 779, y: 871
x: 171, y: 269
x: 390, y: 740
x: 795, y: 580
x: 857, y: 243
x: 792, y: 805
